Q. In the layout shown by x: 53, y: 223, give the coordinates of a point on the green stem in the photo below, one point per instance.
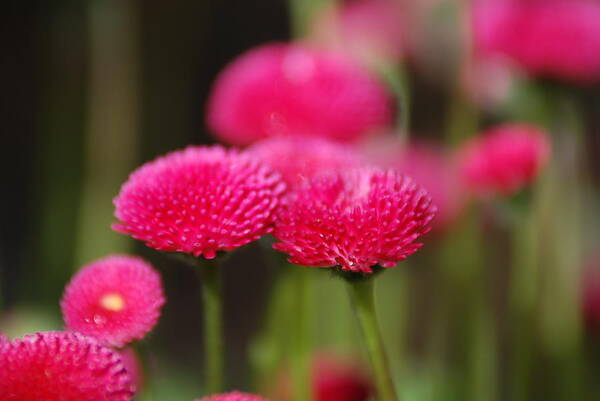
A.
x: 362, y: 296
x: 301, y: 376
x: 213, y: 330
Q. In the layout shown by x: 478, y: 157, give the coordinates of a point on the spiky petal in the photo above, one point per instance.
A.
x: 354, y: 220
x: 199, y: 200
x: 61, y: 366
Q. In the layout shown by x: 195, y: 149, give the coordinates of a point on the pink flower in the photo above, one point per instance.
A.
x: 554, y: 38
x: 233, y: 396
x: 115, y: 300
x: 504, y: 159
x: 590, y: 297
x: 199, y: 201
x: 61, y: 366
x: 368, y: 30
x: 354, y: 220
x: 429, y: 165
x: 288, y: 89
x: 300, y: 158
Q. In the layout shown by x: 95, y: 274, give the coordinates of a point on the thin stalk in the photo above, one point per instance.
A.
x: 397, y: 78
x: 301, y: 377
x: 213, y: 326
x: 362, y: 296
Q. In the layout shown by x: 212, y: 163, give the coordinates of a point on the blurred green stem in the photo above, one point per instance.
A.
x: 396, y: 76
x: 301, y: 373
x: 363, y: 299
x: 213, y: 326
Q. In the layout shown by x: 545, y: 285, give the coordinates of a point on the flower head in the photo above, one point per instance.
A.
x: 504, y: 159
x: 115, y: 300
x: 354, y: 220
x: 199, y: 201
x: 289, y: 89
x: 233, y: 396
x: 300, y: 158
x: 61, y: 366
x: 553, y: 38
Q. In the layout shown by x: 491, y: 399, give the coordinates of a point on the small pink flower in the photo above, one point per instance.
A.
x: 429, y: 165
x: 61, y: 366
x: 504, y: 159
x: 115, y: 300
x: 368, y: 30
x: 554, y: 38
x: 354, y: 220
x: 300, y: 158
x: 289, y: 89
x: 199, y: 201
x: 233, y: 396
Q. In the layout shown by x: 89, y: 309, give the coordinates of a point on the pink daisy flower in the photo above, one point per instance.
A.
x: 61, y: 366
x: 300, y: 158
x: 554, y: 38
x: 199, y: 201
x: 233, y: 396
x: 289, y: 89
x: 504, y: 159
x: 115, y: 300
x: 354, y: 220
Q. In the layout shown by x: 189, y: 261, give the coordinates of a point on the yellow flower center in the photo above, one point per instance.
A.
x: 112, y: 302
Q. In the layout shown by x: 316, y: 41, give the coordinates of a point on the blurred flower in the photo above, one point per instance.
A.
x: 301, y: 158
x: 354, y: 220
x: 233, y: 396
x: 489, y: 81
x: 504, y: 159
x: 334, y: 378
x: 61, y: 366
x: 3, y: 338
x: 133, y: 366
x: 289, y: 89
x: 199, y: 200
x: 429, y: 165
x: 369, y: 30
x: 590, y: 294
x: 553, y: 38
x: 115, y: 300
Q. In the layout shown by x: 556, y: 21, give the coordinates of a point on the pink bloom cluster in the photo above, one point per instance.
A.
x: 298, y: 159
x: 354, y: 220
x: 199, y: 201
x: 504, y: 159
x: 289, y: 89
x: 115, y: 300
x: 554, y: 38
x: 233, y: 396
x: 61, y: 366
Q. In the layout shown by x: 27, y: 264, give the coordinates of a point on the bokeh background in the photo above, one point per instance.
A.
x: 91, y: 89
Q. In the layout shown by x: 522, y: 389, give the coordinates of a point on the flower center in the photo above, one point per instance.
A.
x: 112, y: 302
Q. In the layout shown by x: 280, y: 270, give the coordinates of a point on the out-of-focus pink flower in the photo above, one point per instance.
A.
x: 300, y: 158
x: 289, y: 89
x: 590, y: 297
x: 504, y: 159
x: 334, y: 378
x: 553, y: 38
x: 3, y: 338
x: 199, y: 201
x: 115, y: 300
x: 133, y: 365
x: 368, y: 30
x: 429, y: 165
x: 61, y: 366
x: 233, y: 396
x: 354, y: 220
x: 489, y: 81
